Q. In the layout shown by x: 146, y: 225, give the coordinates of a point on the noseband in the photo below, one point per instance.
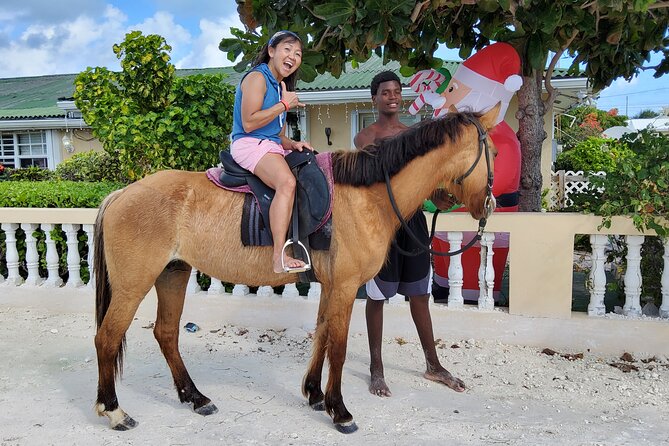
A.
x: 488, y: 204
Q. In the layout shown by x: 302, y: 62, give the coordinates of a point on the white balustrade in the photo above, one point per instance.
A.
x: 73, y: 257
x: 12, y: 256
x: 240, y: 290
x: 216, y: 287
x: 597, y: 275
x: 52, y: 261
x: 486, y: 273
x: 290, y: 290
x: 314, y: 292
x: 193, y: 287
x: 265, y: 291
x: 30, y: 269
x: 664, y: 308
x: 32, y: 257
x: 90, y: 234
x: 455, y: 271
x: 633, y: 279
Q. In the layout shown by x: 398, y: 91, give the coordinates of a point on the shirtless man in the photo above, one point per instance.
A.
x: 409, y: 276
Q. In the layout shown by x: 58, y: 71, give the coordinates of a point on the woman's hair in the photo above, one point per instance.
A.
x: 263, y: 56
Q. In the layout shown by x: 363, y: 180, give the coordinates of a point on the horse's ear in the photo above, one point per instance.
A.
x: 489, y: 118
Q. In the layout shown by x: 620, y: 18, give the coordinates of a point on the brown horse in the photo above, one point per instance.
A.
x: 154, y: 231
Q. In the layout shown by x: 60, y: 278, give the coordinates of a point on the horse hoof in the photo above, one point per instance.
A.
x: 319, y: 406
x: 126, y: 424
x: 207, y: 409
x: 346, y: 428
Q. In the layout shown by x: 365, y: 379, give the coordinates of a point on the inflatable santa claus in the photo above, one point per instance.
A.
x: 489, y: 77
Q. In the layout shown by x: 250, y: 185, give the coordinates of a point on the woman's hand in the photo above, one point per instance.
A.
x: 289, y: 97
x: 300, y: 145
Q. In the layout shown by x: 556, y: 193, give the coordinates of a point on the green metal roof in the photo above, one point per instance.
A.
x: 360, y: 78
x: 35, y: 97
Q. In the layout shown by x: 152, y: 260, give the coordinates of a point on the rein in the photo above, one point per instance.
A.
x: 488, y: 203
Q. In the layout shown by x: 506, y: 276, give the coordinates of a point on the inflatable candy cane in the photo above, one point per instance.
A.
x: 425, y: 83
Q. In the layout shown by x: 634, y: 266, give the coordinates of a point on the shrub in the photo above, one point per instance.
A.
x: 593, y: 155
x: 91, y: 166
x: 638, y: 188
x: 29, y: 174
x: 54, y: 194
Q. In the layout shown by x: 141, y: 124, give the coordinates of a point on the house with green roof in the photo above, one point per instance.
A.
x: 41, y: 126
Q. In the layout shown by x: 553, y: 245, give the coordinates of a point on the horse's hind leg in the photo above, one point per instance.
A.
x: 109, y: 344
x: 171, y: 291
x: 311, y: 384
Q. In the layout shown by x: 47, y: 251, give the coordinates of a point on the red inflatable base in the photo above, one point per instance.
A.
x: 471, y: 259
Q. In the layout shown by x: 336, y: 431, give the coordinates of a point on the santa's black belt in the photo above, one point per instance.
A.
x: 507, y: 200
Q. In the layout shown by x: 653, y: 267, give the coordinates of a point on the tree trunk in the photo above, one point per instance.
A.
x: 531, y: 135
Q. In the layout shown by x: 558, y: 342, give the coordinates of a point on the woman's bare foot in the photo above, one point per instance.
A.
x: 444, y: 376
x: 378, y: 386
x: 288, y: 262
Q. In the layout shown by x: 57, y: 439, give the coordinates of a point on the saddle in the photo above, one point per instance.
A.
x: 312, y: 195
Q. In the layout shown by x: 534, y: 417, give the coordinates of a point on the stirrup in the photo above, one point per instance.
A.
x: 297, y: 269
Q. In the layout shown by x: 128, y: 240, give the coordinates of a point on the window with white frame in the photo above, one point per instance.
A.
x: 23, y: 149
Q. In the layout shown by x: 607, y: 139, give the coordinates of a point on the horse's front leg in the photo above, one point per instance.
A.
x: 338, y: 315
x: 171, y: 291
x: 311, y: 384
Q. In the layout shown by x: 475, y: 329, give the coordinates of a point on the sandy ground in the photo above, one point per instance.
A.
x: 516, y: 395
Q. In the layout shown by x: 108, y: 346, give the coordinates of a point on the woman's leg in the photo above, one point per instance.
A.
x: 274, y: 172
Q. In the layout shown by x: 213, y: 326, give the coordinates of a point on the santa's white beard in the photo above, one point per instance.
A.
x: 479, y: 102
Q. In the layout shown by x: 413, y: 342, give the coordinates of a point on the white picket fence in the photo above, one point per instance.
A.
x: 565, y: 183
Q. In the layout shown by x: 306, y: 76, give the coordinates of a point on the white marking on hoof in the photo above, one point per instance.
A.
x: 118, y: 419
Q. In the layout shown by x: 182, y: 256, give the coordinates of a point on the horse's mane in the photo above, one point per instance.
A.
x: 367, y: 166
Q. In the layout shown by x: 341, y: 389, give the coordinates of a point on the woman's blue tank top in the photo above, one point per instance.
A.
x: 272, y: 97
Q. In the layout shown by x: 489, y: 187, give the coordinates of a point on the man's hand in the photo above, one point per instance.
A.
x: 443, y: 199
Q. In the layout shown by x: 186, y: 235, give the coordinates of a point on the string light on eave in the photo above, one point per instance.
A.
x: 67, y: 142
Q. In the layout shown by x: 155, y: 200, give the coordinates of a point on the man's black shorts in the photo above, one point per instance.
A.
x: 406, y: 275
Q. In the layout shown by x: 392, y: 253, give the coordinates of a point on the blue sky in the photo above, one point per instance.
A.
x: 40, y: 37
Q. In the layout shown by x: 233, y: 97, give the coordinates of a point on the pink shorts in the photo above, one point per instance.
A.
x: 248, y: 151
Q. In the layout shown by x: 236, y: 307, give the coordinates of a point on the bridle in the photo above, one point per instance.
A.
x: 488, y: 204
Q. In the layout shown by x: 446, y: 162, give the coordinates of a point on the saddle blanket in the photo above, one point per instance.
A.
x: 254, y: 232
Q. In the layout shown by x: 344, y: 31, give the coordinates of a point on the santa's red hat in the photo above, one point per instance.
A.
x: 493, y: 71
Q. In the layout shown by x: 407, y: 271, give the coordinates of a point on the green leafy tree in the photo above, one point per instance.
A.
x: 594, y: 155
x: 607, y: 38
x: 645, y: 114
x: 583, y: 122
x: 150, y: 119
x: 638, y: 186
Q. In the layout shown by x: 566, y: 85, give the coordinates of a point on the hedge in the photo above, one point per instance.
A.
x: 55, y: 193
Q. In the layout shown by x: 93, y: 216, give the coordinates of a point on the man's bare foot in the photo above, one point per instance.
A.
x: 444, y: 376
x: 378, y: 387
x: 288, y: 262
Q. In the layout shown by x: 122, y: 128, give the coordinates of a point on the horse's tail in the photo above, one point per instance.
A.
x: 103, y: 292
